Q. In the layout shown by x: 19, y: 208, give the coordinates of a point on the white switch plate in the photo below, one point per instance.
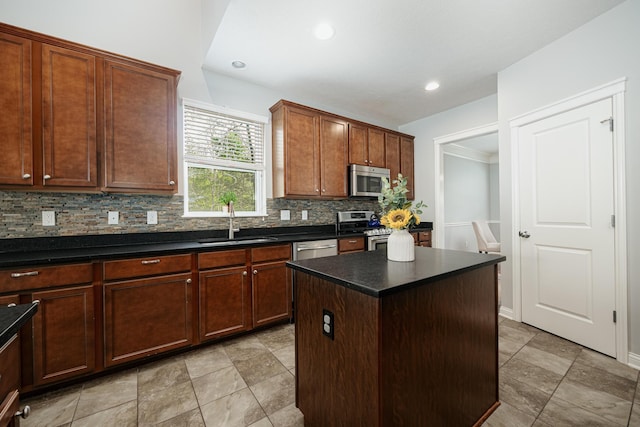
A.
x: 113, y: 217
x: 305, y: 215
x: 285, y: 215
x: 152, y: 217
x: 48, y: 218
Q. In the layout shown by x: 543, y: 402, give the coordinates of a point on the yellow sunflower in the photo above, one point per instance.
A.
x: 417, y: 218
x: 398, y: 218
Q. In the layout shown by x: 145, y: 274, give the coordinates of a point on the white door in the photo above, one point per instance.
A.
x: 566, y: 234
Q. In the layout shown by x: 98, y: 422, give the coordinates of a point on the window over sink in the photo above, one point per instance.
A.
x: 223, y: 154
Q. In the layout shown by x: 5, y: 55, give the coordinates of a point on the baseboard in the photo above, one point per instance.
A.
x: 506, y: 312
x: 634, y: 360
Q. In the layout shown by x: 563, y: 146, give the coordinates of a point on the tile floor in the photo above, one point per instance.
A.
x: 249, y: 381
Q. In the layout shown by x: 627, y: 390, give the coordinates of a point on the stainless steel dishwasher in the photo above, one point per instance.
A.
x: 308, y: 250
x: 315, y: 249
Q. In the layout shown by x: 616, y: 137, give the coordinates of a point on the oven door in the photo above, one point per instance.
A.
x: 375, y: 243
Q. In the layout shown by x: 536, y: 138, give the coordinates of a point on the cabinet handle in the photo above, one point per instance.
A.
x: 26, y: 411
x: 352, y: 241
x: 150, y: 261
x: 172, y: 182
x: 28, y: 273
x: 13, y: 304
x: 26, y: 176
x: 47, y: 177
x: 188, y: 281
x: 255, y: 271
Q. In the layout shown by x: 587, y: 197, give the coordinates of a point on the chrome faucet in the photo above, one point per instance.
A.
x: 232, y: 214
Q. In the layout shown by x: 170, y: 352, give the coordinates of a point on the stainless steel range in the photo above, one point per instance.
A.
x: 363, y: 222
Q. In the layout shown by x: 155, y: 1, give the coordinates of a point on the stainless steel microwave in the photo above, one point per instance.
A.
x: 366, y: 181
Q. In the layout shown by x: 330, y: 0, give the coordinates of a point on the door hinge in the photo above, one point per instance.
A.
x: 613, y: 221
x: 610, y: 120
x: 614, y: 316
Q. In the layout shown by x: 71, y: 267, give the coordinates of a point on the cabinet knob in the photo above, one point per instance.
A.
x: 26, y: 176
x: 188, y: 281
x: 172, y: 182
x: 255, y: 271
x: 47, y: 177
x: 244, y: 273
x: 26, y: 411
x: 317, y: 190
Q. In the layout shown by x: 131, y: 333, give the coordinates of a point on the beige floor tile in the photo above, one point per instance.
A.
x: 544, y: 359
x: 206, y: 360
x: 606, y: 363
x: 602, y: 380
x: 276, y: 338
x: 287, y: 356
x: 259, y: 368
x: 235, y: 410
x: 107, y: 392
x: 162, y: 374
x: 191, y: 418
x: 522, y: 396
x: 509, y: 416
x: 532, y: 375
x: 244, y: 348
x: 123, y: 415
x: 289, y: 416
x: 561, y: 413
x: 53, y: 409
x: 275, y: 393
x: 166, y: 403
x: 215, y: 385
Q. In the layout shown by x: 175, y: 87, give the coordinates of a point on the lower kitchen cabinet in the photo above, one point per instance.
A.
x: 350, y: 244
x: 144, y: 317
x: 224, y: 294
x: 63, y: 334
x: 271, y: 284
x: 9, y: 381
x: 422, y: 238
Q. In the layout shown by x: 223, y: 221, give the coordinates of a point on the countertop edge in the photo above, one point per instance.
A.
x: 13, y: 318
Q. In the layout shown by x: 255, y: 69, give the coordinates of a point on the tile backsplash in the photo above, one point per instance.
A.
x: 78, y: 214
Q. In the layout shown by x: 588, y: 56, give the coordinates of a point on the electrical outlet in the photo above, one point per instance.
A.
x: 113, y: 217
x: 327, y: 323
x: 152, y: 217
x: 285, y: 215
x: 48, y: 218
x: 305, y: 215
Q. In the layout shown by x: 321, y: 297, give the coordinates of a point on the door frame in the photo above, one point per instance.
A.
x: 614, y: 90
x: 438, y: 143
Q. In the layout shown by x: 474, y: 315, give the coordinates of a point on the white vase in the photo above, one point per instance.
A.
x: 400, y: 246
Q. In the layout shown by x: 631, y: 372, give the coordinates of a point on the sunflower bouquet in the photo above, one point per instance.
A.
x: 398, y: 212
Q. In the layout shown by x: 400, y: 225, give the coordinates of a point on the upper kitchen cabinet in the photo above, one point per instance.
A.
x: 366, y: 145
x: 140, y: 122
x: 392, y: 154
x: 16, y: 161
x: 65, y: 106
x: 406, y: 163
x: 309, y: 152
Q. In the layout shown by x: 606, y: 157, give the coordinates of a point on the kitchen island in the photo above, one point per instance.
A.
x: 382, y: 343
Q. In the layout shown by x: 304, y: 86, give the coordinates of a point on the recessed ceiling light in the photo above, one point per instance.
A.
x: 238, y: 64
x: 324, y: 31
x: 432, y: 86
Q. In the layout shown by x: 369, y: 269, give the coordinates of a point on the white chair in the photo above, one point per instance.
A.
x: 487, y: 243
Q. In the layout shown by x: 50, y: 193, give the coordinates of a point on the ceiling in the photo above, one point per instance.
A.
x: 384, y: 52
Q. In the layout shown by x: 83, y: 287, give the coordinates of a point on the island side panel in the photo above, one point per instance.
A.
x: 337, y: 381
x: 440, y: 352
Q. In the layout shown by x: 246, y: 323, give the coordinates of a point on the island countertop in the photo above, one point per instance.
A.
x: 13, y: 317
x: 372, y: 274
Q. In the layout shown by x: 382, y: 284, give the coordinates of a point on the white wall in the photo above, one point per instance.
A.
x: 599, y: 52
x: 471, y: 115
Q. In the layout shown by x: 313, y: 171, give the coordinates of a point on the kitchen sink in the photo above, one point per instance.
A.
x: 239, y: 241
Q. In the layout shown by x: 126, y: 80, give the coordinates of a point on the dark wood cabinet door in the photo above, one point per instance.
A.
x: 147, y: 316
x: 302, y: 167
x: 392, y: 154
x: 333, y: 157
x: 358, y: 145
x: 406, y: 164
x: 140, y: 120
x: 63, y: 334
x: 376, y: 148
x: 16, y: 159
x: 69, y: 118
x: 271, y: 293
x: 225, y: 302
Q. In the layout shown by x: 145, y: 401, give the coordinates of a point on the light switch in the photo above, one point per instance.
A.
x: 285, y: 215
x: 48, y: 218
x: 305, y: 215
x: 152, y: 217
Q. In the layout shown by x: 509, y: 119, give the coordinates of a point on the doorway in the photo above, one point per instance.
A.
x: 466, y: 176
x: 569, y: 228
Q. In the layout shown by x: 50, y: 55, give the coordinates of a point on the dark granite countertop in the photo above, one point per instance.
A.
x: 372, y: 274
x: 67, y: 249
x: 12, y: 319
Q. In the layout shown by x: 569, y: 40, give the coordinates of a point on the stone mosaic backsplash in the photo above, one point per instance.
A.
x: 80, y: 214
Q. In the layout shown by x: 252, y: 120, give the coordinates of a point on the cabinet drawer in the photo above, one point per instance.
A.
x: 139, y: 267
x: 351, y: 244
x: 222, y: 259
x: 9, y: 366
x: 271, y: 253
x: 43, y: 277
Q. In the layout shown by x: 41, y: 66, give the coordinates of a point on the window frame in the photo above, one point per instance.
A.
x: 260, y: 169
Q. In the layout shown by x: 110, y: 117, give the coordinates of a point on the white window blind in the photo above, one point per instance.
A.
x: 215, y: 138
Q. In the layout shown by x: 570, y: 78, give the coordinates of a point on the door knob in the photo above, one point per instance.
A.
x: 524, y: 234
